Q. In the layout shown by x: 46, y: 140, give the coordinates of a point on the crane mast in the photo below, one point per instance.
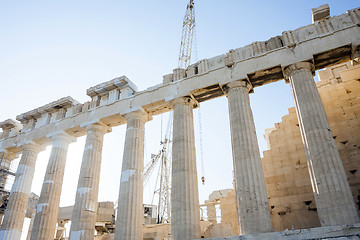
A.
x: 187, y: 36
x: 163, y: 190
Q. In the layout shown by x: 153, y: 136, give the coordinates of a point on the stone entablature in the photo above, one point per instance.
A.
x: 9, y: 128
x: 111, y: 91
x: 46, y: 114
x: 203, y: 80
x: 260, y: 63
x: 323, y: 25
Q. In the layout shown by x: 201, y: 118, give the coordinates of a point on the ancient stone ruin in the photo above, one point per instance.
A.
x: 294, y: 56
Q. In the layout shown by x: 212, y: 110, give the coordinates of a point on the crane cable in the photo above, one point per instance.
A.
x: 199, y: 110
x: 201, y: 149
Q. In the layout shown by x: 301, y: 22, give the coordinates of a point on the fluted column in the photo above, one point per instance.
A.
x: 130, y: 207
x: 333, y: 197
x: 15, y: 212
x: 211, y: 211
x: 185, y: 211
x: 84, y: 214
x: 251, y: 195
x: 48, y: 207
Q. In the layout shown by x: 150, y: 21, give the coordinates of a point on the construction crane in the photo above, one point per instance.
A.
x: 188, y: 30
x: 187, y: 36
x: 7, y: 177
x: 163, y: 189
x: 149, y: 168
x: 162, y: 162
x: 164, y: 206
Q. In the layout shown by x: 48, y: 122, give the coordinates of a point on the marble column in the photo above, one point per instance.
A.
x: 84, y: 214
x: 333, y: 197
x: 211, y: 211
x: 15, y: 212
x: 130, y: 207
x: 185, y: 211
x: 48, y: 207
x: 251, y: 195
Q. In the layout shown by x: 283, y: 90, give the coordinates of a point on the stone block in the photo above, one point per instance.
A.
x: 230, y: 58
x: 104, y: 217
x: 320, y: 13
x: 126, y: 92
x: 203, y: 66
x: 167, y: 78
x: 178, y: 73
x: 274, y: 43
x: 10, y: 128
x: 192, y: 70
x: 258, y: 48
x: 95, y: 102
x: 289, y: 38
x: 355, y: 15
x: 323, y: 26
x: 104, y: 99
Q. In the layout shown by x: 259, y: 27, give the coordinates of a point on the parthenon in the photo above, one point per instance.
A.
x: 293, y: 56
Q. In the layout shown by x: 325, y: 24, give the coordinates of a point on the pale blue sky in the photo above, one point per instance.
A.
x: 52, y: 49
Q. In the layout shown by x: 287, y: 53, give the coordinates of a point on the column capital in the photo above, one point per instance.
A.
x: 289, y: 70
x: 183, y: 100
x: 139, y: 113
x: 61, y: 135
x: 237, y: 84
x: 9, y: 154
x: 32, y: 146
x: 96, y: 125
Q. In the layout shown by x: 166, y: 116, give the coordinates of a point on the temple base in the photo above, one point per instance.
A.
x: 351, y: 231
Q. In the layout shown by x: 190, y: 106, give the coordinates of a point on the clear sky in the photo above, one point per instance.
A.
x: 53, y: 49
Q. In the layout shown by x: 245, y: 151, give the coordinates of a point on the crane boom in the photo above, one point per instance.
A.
x: 148, y: 169
x: 187, y: 36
